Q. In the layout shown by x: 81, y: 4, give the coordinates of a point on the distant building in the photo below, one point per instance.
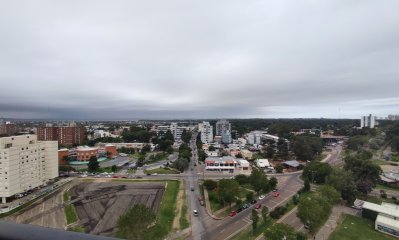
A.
x: 223, y: 128
x: 206, y: 132
x: 84, y: 153
x: 26, y: 163
x: 262, y: 163
x: 62, y: 155
x: 367, y: 121
x: 64, y: 135
x: 174, y: 128
x: 393, y: 117
x: 227, y: 163
x: 8, y: 128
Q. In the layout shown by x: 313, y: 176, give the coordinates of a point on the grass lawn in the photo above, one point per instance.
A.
x: 66, y: 196
x: 248, y: 233
x: 162, y: 171
x: 70, y: 214
x: 385, y: 187
x: 183, y: 217
x: 357, y: 228
x: 166, y: 213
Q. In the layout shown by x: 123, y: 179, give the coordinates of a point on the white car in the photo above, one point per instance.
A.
x: 195, y: 212
x: 261, y: 197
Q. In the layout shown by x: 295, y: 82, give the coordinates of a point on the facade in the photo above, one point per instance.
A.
x: 387, y: 220
x: 85, y: 153
x: 26, y: 163
x: 111, y: 150
x: 227, y: 163
x: 206, y: 132
x: 64, y: 135
x: 8, y: 128
x: 367, y: 121
x: 262, y: 163
x: 62, y: 154
x: 223, y: 128
x: 174, y: 128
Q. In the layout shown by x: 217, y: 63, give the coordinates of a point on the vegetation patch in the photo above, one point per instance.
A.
x: 162, y: 171
x: 357, y: 228
x: 183, y: 215
x: 70, y: 214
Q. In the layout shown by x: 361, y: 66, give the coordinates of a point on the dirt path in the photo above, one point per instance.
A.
x: 179, y: 206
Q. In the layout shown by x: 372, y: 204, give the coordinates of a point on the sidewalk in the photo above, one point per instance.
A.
x: 332, y: 221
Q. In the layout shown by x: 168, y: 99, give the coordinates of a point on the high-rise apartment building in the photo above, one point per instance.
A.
x: 64, y: 135
x: 367, y: 121
x: 8, y: 128
x: 206, y: 132
x: 223, y: 128
x: 26, y: 163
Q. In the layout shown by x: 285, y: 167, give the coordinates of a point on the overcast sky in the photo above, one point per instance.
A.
x: 81, y: 59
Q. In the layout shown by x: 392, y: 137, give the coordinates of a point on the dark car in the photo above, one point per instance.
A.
x: 239, y: 209
x: 245, y: 206
x: 253, y: 201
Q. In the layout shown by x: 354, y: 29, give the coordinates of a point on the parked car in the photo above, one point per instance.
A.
x: 275, y: 190
x: 258, y: 206
x: 195, y: 212
x: 261, y: 197
x: 192, y: 188
x: 276, y: 194
x: 245, y: 206
x: 232, y: 213
x: 253, y: 201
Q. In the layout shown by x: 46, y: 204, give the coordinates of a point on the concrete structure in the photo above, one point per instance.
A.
x: 262, y: 163
x: 387, y: 220
x: 111, y: 151
x: 206, y: 132
x: 246, y: 154
x: 255, y: 137
x: 64, y: 135
x: 102, y: 134
x: 367, y: 121
x: 8, y: 128
x: 26, y: 163
x: 174, y: 128
x: 223, y: 128
x: 62, y: 155
x: 226, y: 163
x: 84, y: 153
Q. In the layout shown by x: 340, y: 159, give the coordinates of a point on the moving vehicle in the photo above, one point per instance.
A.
x: 192, y: 188
x: 195, y: 212
x: 258, y: 206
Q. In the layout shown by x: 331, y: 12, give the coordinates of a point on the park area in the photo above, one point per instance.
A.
x: 357, y: 228
x: 98, y: 205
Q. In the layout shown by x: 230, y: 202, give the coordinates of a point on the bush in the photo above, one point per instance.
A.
x: 278, y: 212
x: 210, y: 184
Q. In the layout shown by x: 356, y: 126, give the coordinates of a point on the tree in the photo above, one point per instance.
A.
x: 114, y: 168
x: 344, y: 183
x: 180, y: 164
x: 211, y: 148
x: 228, y: 189
x: 306, y: 186
x: 317, y: 171
x: 265, y: 213
x: 279, y: 231
x: 258, y: 180
x: 186, y: 136
x: 307, y: 147
x: 239, y: 155
x: 279, y: 168
x: 241, y: 179
x: 169, y: 136
x: 269, y: 152
x: 93, y: 164
x: 313, y: 209
x: 250, y: 196
x: 332, y: 195
x: 255, y: 219
x: 273, y: 182
x: 210, y: 184
x: 133, y: 224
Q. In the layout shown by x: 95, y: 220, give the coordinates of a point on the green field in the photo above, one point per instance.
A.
x: 162, y: 171
x: 183, y: 218
x: 70, y: 214
x: 357, y: 228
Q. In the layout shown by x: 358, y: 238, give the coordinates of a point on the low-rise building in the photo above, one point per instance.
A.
x: 63, y: 154
x: 227, y: 163
x: 387, y: 220
x: 84, y: 153
x: 246, y: 154
x: 262, y: 163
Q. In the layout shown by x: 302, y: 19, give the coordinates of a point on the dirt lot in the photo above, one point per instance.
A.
x: 48, y: 212
x: 99, y: 204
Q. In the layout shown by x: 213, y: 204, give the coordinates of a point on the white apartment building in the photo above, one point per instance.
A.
x: 223, y: 128
x: 174, y: 128
x: 206, y: 132
x: 367, y: 121
x: 26, y: 163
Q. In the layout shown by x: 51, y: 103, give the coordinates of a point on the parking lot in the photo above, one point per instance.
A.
x: 99, y: 204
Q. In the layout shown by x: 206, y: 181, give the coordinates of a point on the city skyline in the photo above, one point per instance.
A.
x: 131, y: 60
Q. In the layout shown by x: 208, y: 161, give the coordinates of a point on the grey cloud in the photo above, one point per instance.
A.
x: 178, y: 59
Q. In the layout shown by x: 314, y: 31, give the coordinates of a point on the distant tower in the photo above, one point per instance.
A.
x: 367, y: 121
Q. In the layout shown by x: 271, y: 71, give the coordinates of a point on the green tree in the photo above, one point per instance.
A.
x: 329, y: 193
x: 279, y: 168
x: 180, y: 164
x: 169, y: 136
x: 255, y: 219
x: 313, y: 209
x: 250, y: 196
x: 279, y: 231
x: 265, y: 214
x: 133, y: 224
x: 241, y: 179
x: 306, y: 186
x: 273, y: 182
x: 317, y: 171
x: 307, y: 147
x: 93, y: 164
x: 210, y: 184
x: 114, y: 168
x: 344, y: 183
x: 269, y: 152
x: 258, y: 180
x: 186, y: 136
x: 228, y: 189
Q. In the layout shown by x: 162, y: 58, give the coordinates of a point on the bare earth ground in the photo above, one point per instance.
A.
x: 99, y: 204
x: 48, y: 213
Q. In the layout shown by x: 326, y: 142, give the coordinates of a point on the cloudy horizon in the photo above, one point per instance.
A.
x: 96, y: 59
